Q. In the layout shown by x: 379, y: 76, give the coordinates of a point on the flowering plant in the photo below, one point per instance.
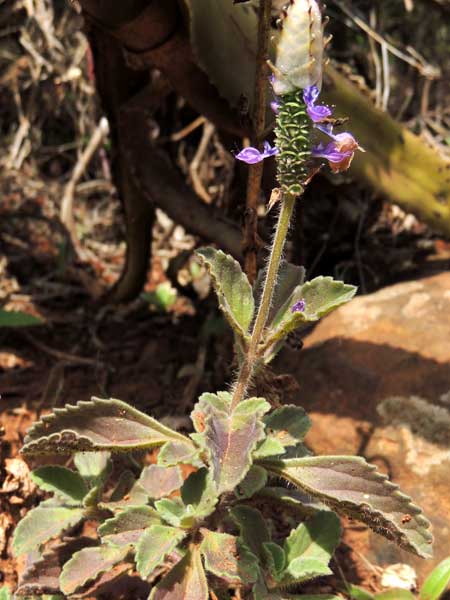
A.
x: 200, y: 521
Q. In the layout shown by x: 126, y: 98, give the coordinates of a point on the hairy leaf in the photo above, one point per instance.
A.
x: 275, y: 558
x: 317, y: 538
x: 288, y: 424
x: 437, y: 582
x: 303, y: 569
x: 87, y: 564
x: 154, y: 545
x: 159, y: 482
x: 176, y: 453
x: 289, y: 277
x: 42, y: 524
x: 322, y: 295
x: 61, y: 481
x: 252, y: 483
x: 186, y: 581
x: 199, y: 493
x: 174, y: 512
x: 233, y: 290
x: 268, y: 447
x: 350, y: 486
x: 128, y: 526
x: 42, y: 576
x: 17, y: 318
x: 226, y: 558
x: 295, y: 498
x: 253, y: 529
x: 96, y: 425
x: 94, y: 467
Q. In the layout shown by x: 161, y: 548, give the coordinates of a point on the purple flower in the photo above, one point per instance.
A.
x: 299, y: 306
x: 252, y: 155
x: 340, y: 151
x: 275, y: 106
x: 317, y: 114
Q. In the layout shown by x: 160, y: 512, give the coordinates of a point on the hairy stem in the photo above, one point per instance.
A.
x: 259, y: 125
x: 248, y: 366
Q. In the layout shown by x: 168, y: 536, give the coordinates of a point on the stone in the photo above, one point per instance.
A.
x: 375, y: 378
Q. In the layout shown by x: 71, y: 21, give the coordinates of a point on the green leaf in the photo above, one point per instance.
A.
x: 252, y: 483
x: 316, y: 538
x: 295, y: 498
x: 270, y: 446
x: 289, y: 278
x: 199, y: 494
x: 233, y: 290
x: 253, y: 529
x: 87, y: 564
x: 157, y: 542
x: 437, y: 582
x: 288, y: 425
x: 275, y: 558
x: 226, y: 558
x: 173, y: 511
x: 322, y: 295
x: 350, y: 486
x: 159, y: 482
x: 96, y: 425
x: 176, y: 453
x: 230, y: 435
x: 395, y: 595
x: 357, y: 593
x: 42, y: 524
x: 163, y: 298
x: 128, y: 526
x: 17, y: 318
x: 5, y: 594
x: 303, y: 569
x: 61, y: 481
x: 94, y: 467
x: 186, y: 581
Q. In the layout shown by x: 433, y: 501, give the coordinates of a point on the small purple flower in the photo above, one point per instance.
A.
x: 275, y: 106
x: 340, y: 151
x: 299, y: 306
x: 317, y: 114
x: 252, y: 155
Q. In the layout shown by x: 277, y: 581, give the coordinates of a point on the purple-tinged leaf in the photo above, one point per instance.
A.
x: 288, y: 424
x: 159, y: 482
x: 128, y: 526
x: 42, y: 576
x: 186, y: 581
x: 228, y: 559
x: 294, y: 498
x: 67, y: 484
x: 232, y: 287
x: 351, y: 486
x: 253, y: 529
x: 88, y: 564
x: 177, y: 453
x: 96, y: 425
x: 42, y: 524
x: 252, y: 483
x: 157, y: 542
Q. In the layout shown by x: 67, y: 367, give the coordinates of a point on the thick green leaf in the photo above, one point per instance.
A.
x: 288, y: 425
x: 437, y: 582
x: 186, y: 581
x: 5, y: 594
x: 350, y: 486
x: 268, y: 447
x: 252, y: 483
x: 226, y: 558
x: 128, y: 526
x: 17, y: 318
x: 94, y: 467
x: 199, y: 494
x: 61, y: 481
x: 42, y: 524
x: 174, y: 512
x: 316, y: 538
x: 322, y: 295
x: 159, y: 482
x: 230, y: 435
x: 87, y: 564
x: 96, y: 425
x: 157, y: 542
x: 395, y: 595
x: 253, y: 529
x: 303, y: 569
x: 233, y: 290
x: 275, y: 558
x: 176, y: 453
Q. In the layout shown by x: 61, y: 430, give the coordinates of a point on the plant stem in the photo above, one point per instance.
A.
x: 259, y: 125
x: 248, y: 366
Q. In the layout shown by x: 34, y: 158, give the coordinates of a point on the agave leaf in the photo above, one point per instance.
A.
x: 232, y: 287
x: 186, y: 581
x: 322, y: 295
x: 61, y: 481
x: 128, y: 526
x: 230, y: 435
x: 252, y: 483
x: 96, y: 425
x: 288, y: 424
x: 17, y: 318
x: 154, y: 545
x: 42, y: 576
x: 87, y: 564
x: 159, y: 482
x: 253, y: 529
x: 350, y: 486
x: 437, y: 582
x: 199, y: 493
x: 176, y: 453
x: 226, y: 558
